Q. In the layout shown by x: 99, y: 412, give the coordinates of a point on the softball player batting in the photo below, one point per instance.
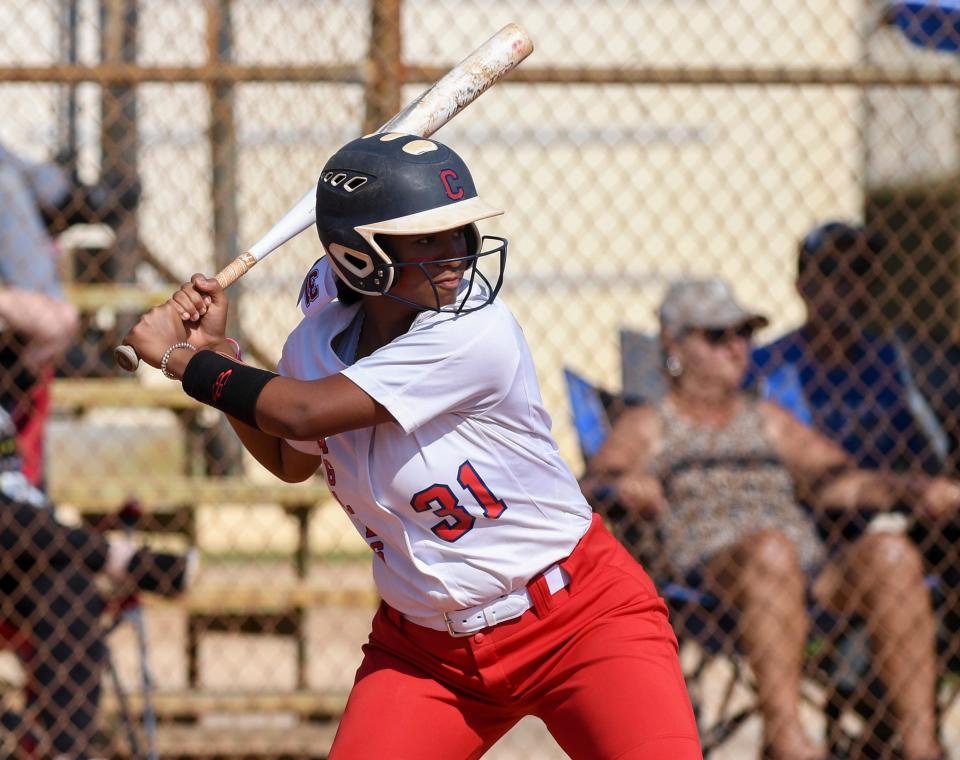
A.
x: 415, y: 392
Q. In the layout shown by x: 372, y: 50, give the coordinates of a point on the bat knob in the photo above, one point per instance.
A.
x: 126, y: 358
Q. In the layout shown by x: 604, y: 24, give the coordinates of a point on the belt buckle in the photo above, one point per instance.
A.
x: 449, y: 623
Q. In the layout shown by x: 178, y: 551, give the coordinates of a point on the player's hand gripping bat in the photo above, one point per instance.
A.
x: 457, y: 89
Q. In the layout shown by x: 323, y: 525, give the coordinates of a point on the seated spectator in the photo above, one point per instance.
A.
x: 840, y: 376
x: 725, y: 473
x: 889, y: 399
x: 49, y: 597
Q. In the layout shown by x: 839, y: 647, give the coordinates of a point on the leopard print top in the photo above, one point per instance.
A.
x: 723, y: 485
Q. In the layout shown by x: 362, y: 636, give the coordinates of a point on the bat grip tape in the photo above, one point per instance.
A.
x: 225, y: 384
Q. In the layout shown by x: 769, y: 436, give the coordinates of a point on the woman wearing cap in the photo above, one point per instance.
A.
x: 724, y: 473
x: 415, y: 394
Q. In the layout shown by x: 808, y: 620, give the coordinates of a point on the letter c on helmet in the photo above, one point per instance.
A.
x: 451, y: 184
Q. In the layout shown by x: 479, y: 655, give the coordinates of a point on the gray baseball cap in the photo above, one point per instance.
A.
x: 704, y: 304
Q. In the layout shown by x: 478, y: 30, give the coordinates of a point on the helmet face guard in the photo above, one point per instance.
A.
x: 393, y: 184
x: 472, y: 273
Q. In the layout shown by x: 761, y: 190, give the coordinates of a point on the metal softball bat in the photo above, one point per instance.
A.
x: 433, y: 108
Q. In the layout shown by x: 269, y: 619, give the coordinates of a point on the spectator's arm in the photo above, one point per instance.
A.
x: 821, y: 470
x: 826, y: 477
x: 620, y: 466
x: 47, y: 324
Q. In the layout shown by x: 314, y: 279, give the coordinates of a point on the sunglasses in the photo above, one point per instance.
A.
x: 718, y: 336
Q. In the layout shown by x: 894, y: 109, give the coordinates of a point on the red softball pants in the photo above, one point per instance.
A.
x: 597, y: 662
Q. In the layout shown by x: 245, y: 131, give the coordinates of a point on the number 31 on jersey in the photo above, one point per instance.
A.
x: 456, y: 520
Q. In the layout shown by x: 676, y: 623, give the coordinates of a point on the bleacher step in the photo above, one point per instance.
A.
x: 180, y: 705
x: 162, y: 493
x: 226, y: 600
x: 305, y: 742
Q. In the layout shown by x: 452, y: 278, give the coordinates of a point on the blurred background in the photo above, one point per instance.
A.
x: 644, y: 140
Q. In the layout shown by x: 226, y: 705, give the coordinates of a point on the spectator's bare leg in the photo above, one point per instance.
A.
x: 882, y: 580
x: 762, y: 579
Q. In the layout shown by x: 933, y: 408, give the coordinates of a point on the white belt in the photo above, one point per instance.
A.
x: 507, y: 607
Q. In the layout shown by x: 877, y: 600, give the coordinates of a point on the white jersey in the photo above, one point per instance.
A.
x: 465, y: 497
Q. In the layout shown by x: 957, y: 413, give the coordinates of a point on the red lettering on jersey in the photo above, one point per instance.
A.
x: 322, y: 443
x: 347, y: 508
x: 376, y: 546
x: 451, y: 184
x: 331, y: 475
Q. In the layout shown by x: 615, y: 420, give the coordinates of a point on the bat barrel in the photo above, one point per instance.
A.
x: 298, y: 217
x: 464, y: 83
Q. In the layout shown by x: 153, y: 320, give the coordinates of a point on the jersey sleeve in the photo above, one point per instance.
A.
x: 461, y: 365
x: 284, y: 366
x: 299, y: 357
x: 298, y: 361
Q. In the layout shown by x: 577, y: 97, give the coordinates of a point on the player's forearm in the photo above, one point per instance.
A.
x: 275, y: 454
x: 283, y: 407
x: 301, y: 410
x: 264, y: 448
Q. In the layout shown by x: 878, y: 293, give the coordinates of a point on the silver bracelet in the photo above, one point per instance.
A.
x: 166, y: 357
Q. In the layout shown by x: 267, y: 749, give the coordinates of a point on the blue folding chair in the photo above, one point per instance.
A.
x: 590, y: 418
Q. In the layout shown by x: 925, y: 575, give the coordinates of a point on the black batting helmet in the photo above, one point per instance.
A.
x: 393, y: 184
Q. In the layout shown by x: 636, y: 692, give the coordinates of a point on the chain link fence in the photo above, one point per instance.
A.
x: 643, y: 142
